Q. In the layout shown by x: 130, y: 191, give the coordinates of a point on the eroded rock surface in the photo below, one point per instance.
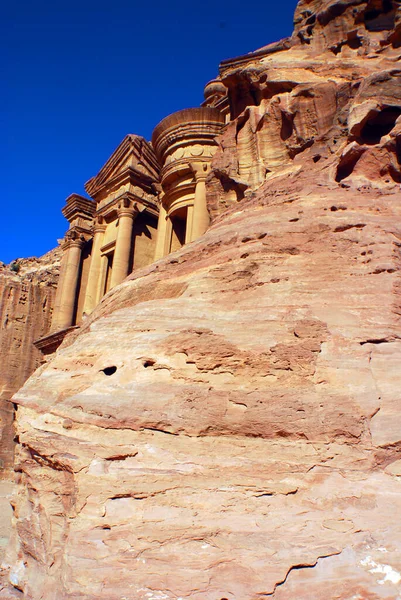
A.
x: 226, y: 423
x: 27, y: 290
x: 331, y: 94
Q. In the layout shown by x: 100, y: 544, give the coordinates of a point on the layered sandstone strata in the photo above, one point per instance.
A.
x: 331, y: 92
x: 27, y: 290
x: 225, y: 425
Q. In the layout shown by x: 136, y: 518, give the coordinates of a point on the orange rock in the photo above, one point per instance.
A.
x: 27, y: 290
x: 224, y: 424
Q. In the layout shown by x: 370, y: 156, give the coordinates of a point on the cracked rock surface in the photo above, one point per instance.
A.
x: 226, y: 424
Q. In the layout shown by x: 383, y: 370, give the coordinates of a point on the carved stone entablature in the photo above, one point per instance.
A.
x: 109, y: 209
x: 133, y: 167
x: 79, y: 211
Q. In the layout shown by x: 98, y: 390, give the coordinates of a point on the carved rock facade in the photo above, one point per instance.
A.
x: 225, y: 424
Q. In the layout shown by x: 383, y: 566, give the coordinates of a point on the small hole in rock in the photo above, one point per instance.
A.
x: 316, y: 158
x: 109, y: 370
x: 149, y: 362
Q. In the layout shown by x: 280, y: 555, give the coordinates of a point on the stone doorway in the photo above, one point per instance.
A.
x: 178, y: 228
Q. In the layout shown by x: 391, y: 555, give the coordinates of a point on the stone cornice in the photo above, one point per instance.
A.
x: 134, y: 158
x: 78, y: 206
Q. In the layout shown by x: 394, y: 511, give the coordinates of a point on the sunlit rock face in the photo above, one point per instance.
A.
x: 226, y: 423
x: 330, y: 93
x: 27, y: 291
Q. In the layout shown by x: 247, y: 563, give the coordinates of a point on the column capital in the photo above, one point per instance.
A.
x: 127, y: 211
x: 73, y: 239
x: 201, y: 170
x: 99, y: 228
x: 76, y: 243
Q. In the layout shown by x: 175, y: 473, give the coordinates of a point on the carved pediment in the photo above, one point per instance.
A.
x: 133, y: 160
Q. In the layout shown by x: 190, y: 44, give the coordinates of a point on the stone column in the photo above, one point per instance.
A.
x: 91, y: 296
x: 70, y: 284
x: 59, y: 292
x: 161, y: 234
x: 123, y: 248
x: 201, y: 219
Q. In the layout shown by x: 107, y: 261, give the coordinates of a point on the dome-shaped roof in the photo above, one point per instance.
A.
x: 215, y: 87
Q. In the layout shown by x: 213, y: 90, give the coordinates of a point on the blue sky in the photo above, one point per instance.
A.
x: 80, y: 75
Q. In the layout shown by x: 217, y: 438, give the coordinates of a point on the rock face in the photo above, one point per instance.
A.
x: 27, y: 292
x: 226, y: 423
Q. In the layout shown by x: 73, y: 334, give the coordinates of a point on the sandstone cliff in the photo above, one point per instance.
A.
x: 226, y: 424
x: 27, y: 289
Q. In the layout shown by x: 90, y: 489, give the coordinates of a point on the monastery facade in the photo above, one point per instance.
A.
x: 148, y: 200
